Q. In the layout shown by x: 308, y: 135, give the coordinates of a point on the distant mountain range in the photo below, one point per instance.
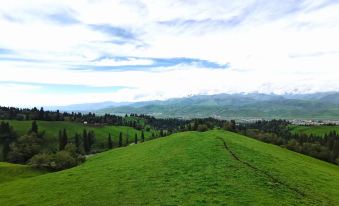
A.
x: 87, y: 107
x: 229, y: 106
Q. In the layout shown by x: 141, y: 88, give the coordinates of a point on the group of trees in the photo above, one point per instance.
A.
x: 63, y: 159
x: 277, y: 132
x: 32, y: 148
x: 110, y: 143
x: 9, y: 113
x: 7, y: 136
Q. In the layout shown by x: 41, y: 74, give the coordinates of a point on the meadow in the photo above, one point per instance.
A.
x: 10, y: 172
x: 189, y: 168
x: 52, y: 129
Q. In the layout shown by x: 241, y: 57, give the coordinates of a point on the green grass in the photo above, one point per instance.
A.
x: 11, y: 172
x: 101, y: 133
x: 315, y: 130
x: 188, y: 168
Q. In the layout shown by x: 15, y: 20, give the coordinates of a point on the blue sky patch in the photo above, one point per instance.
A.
x: 113, y: 31
x: 64, y: 88
x: 157, y: 62
x: 63, y: 17
x: 6, y: 51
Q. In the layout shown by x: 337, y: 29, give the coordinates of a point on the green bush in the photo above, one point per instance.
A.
x: 59, y: 161
x: 64, y: 160
x: 42, y: 161
x: 26, y: 147
x: 202, y: 128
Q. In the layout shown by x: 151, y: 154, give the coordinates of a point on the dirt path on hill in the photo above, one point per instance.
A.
x: 274, y: 179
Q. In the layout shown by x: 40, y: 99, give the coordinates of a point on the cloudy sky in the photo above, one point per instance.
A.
x: 64, y: 52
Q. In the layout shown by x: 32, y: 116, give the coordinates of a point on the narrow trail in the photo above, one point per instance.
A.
x: 274, y: 179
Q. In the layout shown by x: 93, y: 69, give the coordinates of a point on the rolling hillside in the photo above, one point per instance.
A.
x: 191, y: 168
x: 52, y: 129
x: 10, y: 172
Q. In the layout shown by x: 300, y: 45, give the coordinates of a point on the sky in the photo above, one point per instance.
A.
x: 82, y: 51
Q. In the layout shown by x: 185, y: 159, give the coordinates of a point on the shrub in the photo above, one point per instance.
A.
x: 42, y: 161
x: 64, y: 160
x: 202, y: 128
x: 25, y: 148
x: 61, y: 160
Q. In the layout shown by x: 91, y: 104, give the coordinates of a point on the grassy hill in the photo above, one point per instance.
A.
x: 11, y: 172
x: 101, y: 132
x: 315, y: 130
x: 191, y: 168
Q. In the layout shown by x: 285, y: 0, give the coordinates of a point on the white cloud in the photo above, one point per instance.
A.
x: 272, y: 46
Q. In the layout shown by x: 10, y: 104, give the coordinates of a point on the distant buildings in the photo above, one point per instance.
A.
x: 314, y: 122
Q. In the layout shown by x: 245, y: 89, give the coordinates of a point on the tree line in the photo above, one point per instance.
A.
x: 139, y: 122
x: 278, y: 132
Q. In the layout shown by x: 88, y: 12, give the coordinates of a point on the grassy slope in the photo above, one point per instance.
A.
x: 11, y: 172
x: 185, y: 169
x: 316, y: 130
x: 52, y: 129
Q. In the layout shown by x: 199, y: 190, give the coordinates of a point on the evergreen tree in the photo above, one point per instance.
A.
x: 233, y: 126
x: 91, y: 138
x: 41, y: 113
x: 60, y: 140
x: 86, y: 142
x: 63, y: 139
x: 77, y: 142
x: 110, y: 142
x: 120, y: 139
x: 34, y: 127
x: 57, y: 115
x: 142, y: 136
x: 127, y: 140
x: 7, y: 136
x: 336, y: 151
x: 135, y: 138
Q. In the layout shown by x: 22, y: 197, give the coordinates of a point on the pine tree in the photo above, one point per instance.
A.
x: 135, y: 138
x: 336, y: 150
x: 91, y: 138
x: 77, y: 142
x: 41, y: 113
x: 86, y: 142
x: 34, y: 127
x: 63, y: 139
x: 127, y: 138
x: 57, y: 115
x: 127, y: 141
x: 60, y: 140
x: 110, y: 142
x: 120, y: 139
x: 142, y: 136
